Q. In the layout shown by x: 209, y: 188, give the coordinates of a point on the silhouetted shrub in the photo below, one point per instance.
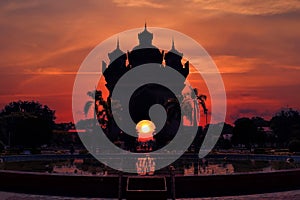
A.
x: 294, y: 145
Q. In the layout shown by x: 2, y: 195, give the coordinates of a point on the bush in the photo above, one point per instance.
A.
x: 2, y: 146
x: 83, y: 152
x: 294, y: 145
x: 259, y: 151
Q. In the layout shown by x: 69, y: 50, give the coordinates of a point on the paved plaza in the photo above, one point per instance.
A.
x: 290, y: 195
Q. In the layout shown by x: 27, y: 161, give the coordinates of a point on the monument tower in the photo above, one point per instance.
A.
x: 147, y: 95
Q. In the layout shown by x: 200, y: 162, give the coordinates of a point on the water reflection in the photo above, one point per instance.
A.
x: 80, y: 167
x: 203, y: 167
x: 145, y: 166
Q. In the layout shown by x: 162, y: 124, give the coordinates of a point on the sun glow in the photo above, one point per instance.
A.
x: 145, y: 129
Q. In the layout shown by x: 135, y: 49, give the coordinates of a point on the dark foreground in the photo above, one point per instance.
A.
x: 291, y: 195
x: 185, y: 186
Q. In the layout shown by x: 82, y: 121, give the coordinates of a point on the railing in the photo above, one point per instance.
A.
x: 16, y: 158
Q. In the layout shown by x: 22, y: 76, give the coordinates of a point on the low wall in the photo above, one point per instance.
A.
x: 237, y: 184
x: 53, y: 184
x: 186, y: 186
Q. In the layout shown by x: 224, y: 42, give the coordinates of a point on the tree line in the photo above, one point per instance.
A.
x: 26, y: 124
x: 30, y: 124
x: 282, y: 131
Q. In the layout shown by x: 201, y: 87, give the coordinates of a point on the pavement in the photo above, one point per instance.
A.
x: 287, y: 195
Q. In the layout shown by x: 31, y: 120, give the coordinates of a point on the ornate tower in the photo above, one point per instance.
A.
x: 116, y: 68
x: 145, y: 51
x: 173, y: 59
x: 147, y: 95
x: 145, y: 38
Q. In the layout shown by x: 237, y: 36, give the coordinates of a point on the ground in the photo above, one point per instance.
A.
x: 290, y: 195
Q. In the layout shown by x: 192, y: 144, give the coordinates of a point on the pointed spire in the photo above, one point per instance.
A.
x: 118, y: 43
x: 173, y: 45
x: 173, y: 49
x: 116, y: 53
x: 145, y: 37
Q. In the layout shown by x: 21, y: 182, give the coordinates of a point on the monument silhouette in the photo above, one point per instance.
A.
x: 147, y: 95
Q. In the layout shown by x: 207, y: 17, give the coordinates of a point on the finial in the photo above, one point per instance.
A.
x: 118, y: 43
x: 173, y: 45
x: 145, y: 25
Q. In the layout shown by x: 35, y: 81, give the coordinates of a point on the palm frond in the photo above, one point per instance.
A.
x: 91, y: 94
x: 87, y: 107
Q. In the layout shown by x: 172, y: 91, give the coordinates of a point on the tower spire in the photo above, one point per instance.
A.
x: 173, y: 44
x: 145, y: 37
x: 116, y: 53
x: 118, y: 43
x: 173, y: 49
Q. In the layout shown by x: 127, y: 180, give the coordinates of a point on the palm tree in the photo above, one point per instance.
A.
x: 99, y: 103
x: 89, y: 104
x: 201, y: 99
x: 172, y: 109
x: 190, y: 108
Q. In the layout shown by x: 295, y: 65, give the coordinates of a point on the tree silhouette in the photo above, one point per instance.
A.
x: 294, y: 145
x: 26, y: 123
x: 101, y: 111
x: 190, y: 109
x: 202, y: 100
x: 286, y: 126
x: 244, y: 132
x: 250, y: 131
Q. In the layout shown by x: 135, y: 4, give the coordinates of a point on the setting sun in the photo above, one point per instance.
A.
x: 145, y: 129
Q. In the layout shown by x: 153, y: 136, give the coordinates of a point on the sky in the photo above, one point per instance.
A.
x: 255, y: 45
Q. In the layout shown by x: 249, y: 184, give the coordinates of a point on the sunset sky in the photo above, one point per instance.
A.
x: 255, y: 44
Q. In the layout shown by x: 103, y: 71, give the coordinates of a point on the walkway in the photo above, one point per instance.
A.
x: 290, y: 195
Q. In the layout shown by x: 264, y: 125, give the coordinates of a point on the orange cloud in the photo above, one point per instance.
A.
x: 142, y: 3
x: 253, y: 43
x: 248, y: 7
